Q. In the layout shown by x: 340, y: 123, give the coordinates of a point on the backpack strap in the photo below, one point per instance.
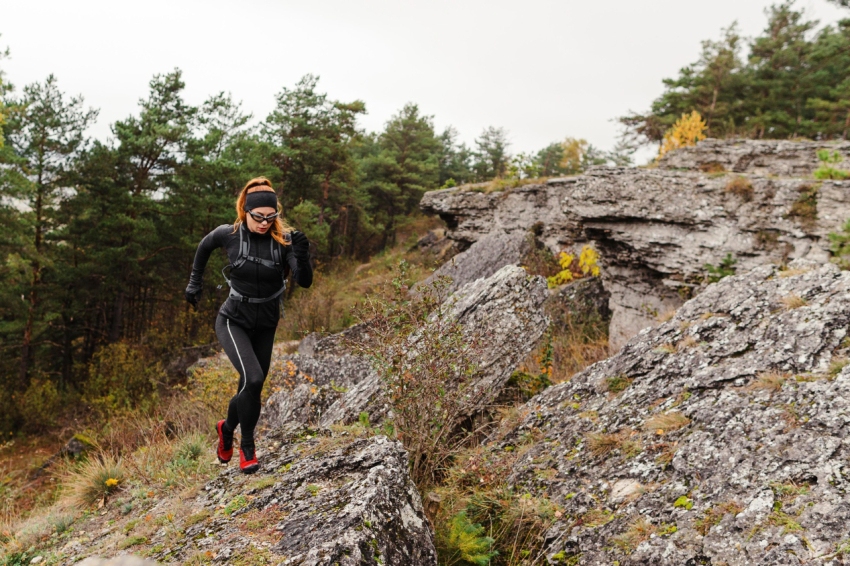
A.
x: 245, y: 255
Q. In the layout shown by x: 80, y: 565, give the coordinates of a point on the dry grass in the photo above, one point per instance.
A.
x: 601, y: 443
x: 768, y: 381
x: 665, y: 349
x: 715, y: 514
x: 793, y: 301
x: 836, y: 365
x: 666, y: 422
x: 686, y: 342
x: 740, y: 187
x: 326, y: 306
x: 638, y: 531
x: 497, y: 185
x: 95, y: 480
x: 792, y: 272
x: 666, y: 315
x: 596, y: 518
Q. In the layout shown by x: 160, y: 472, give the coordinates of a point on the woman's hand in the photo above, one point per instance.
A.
x: 300, y: 246
x: 193, y: 294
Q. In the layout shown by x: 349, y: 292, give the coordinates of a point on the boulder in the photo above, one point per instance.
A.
x: 505, y: 310
x: 317, y: 500
x: 719, y: 437
x: 483, y: 258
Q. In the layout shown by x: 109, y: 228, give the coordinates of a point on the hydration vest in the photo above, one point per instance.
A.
x: 245, y: 256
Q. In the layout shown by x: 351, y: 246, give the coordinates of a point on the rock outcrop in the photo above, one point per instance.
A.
x: 781, y: 158
x: 505, y: 310
x: 720, y: 437
x: 657, y: 229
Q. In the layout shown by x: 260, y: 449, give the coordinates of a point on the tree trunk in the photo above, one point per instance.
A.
x: 26, y: 349
x: 117, y: 314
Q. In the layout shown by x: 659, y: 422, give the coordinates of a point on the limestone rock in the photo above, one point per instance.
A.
x: 484, y: 258
x: 657, y: 229
x: 309, y: 385
x: 731, y: 439
x: 783, y: 158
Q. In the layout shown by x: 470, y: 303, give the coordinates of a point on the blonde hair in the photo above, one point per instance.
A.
x: 255, y: 185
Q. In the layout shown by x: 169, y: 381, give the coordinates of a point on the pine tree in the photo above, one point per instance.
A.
x: 45, y: 133
x: 491, y: 156
x: 405, y: 166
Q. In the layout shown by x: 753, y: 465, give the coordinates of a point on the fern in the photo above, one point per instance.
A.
x: 467, y: 544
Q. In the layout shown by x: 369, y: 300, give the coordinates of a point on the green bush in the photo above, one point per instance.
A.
x: 40, y: 405
x: 122, y: 379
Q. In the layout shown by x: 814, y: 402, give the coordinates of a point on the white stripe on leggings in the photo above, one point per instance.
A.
x: 244, y: 374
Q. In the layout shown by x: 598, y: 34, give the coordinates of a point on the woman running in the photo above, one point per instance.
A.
x: 261, y: 248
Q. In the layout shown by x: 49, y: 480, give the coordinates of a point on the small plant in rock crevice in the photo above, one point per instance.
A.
x: 718, y: 272
x: 740, y: 187
x: 826, y: 170
x: 805, y: 209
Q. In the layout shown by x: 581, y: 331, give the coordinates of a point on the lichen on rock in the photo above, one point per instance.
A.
x: 729, y: 443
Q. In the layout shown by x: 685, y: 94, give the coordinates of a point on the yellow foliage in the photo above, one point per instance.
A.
x: 587, y: 261
x: 587, y: 265
x: 687, y: 131
x: 574, y: 151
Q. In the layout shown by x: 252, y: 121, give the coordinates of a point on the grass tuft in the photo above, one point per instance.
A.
x: 793, y: 301
x: 638, y: 531
x: 740, y: 187
x: 768, y: 381
x: 617, y: 384
x: 96, y: 479
x: 666, y: 422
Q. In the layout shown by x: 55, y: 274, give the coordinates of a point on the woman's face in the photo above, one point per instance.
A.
x: 263, y: 226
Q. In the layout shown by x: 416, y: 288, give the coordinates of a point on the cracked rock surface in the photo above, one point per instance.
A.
x: 719, y: 437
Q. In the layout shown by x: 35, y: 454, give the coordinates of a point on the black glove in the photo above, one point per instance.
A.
x: 300, y: 246
x: 193, y: 294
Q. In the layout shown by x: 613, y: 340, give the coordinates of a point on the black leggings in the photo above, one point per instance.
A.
x: 250, y: 352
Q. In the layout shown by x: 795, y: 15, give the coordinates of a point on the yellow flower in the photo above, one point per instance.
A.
x: 111, y: 482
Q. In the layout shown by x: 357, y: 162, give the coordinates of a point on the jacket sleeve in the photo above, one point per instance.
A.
x: 211, y: 241
x: 302, y: 271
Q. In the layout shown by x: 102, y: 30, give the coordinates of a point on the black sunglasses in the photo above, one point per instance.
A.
x: 260, y: 218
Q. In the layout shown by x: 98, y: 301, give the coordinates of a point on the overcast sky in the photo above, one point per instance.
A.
x: 542, y: 69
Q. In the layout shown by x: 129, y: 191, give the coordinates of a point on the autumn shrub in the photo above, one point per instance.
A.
x: 687, y: 131
x: 122, y: 378
x: 587, y: 265
x: 40, y: 405
x: 426, y: 359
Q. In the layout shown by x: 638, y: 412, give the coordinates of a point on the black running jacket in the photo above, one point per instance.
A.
x: 250, y: 279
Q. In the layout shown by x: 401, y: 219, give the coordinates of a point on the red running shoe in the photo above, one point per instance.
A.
x: 225, y: 444
x: 248, y: 460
